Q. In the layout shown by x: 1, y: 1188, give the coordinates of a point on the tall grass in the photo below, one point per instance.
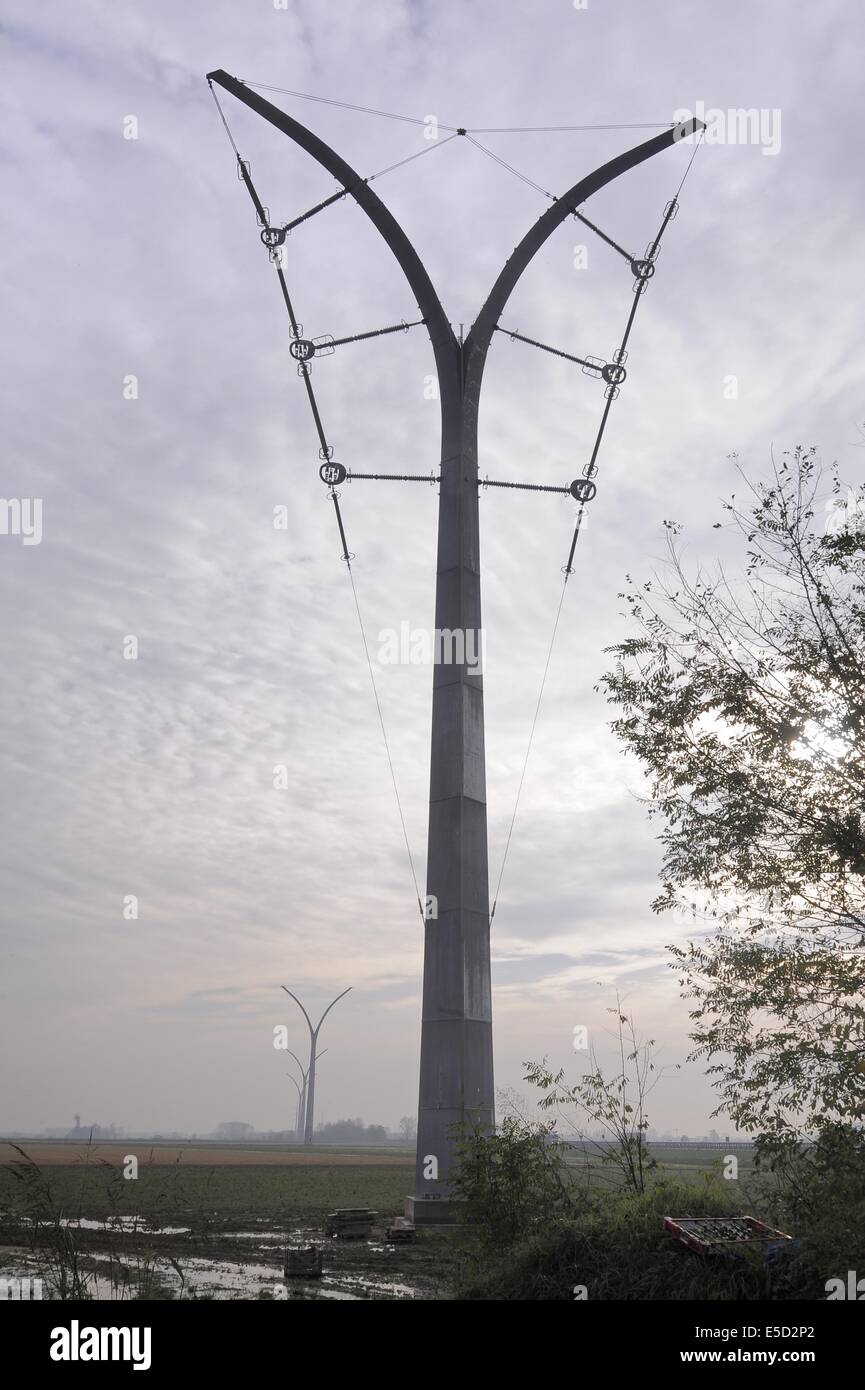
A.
x: 52, y: 1231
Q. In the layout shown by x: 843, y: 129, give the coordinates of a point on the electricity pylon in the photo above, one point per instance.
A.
x: 298, y: 1120
x: 301, y: 1090
x: 456, y: 1061
x: 309, y: 1075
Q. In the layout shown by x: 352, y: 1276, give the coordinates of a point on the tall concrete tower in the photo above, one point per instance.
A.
x: 456, y: 1062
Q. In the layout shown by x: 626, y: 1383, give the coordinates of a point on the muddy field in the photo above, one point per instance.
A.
x: 58, y: 1153
x: 207, y: 1222
x: 212, y: 1221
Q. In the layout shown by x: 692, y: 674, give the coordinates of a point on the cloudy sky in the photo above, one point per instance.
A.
x: 140, y: 258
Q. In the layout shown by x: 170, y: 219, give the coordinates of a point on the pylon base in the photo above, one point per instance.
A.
x: 434, y: 1211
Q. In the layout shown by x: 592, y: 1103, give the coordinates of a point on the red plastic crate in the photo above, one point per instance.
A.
x: 708, y: 1234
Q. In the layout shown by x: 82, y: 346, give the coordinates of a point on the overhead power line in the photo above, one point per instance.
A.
x: 458, y: 130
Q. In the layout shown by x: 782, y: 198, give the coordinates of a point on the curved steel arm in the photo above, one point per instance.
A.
x: 441, y: 334
x: 328, y: 1009
x: 313, y: 1032
x: 299, y: 1063
x: 440, y: 331
x: 302, y: 1010
x: 479, y: 338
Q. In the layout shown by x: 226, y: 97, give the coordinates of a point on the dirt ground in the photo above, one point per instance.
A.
x: 207, y: 1221
x: 61, y: 1152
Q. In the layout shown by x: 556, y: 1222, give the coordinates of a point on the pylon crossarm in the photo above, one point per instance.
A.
x: 324, y: 344
x: 280, y: 233
x: 592, y: 366
x: 374, y: 333
x: 430, y: 478
x: 524, y: 487
x: 305, y: 216
x: 581, y: 217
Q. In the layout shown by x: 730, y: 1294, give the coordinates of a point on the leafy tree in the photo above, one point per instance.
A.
x: 616, y: 1102
x: 512, y: 1181
x: 744, y: 700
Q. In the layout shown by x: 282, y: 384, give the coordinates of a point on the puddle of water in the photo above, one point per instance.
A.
x: 381, y: 1286
x: 134, y: 1224
x: 224, y: 1278
x: 124, y: 1223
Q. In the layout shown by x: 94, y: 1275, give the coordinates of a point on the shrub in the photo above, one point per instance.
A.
x: 616, y: 1248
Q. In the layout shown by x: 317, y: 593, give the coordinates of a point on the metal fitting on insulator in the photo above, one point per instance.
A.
x: 332, y: 473
x: 613, y: 373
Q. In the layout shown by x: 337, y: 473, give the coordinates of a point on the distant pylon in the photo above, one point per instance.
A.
x: 309, y: 1076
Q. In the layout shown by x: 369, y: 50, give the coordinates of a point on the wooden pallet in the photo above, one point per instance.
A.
x: 350, y: 1223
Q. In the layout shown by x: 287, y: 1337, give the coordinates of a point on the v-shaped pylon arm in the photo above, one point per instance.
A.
x: 479, y: 338
x: 328, y: 1009
x: 444, y: 342
x: 299, y: 1063
x: 302, y: 1010
x: 440, y: 331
